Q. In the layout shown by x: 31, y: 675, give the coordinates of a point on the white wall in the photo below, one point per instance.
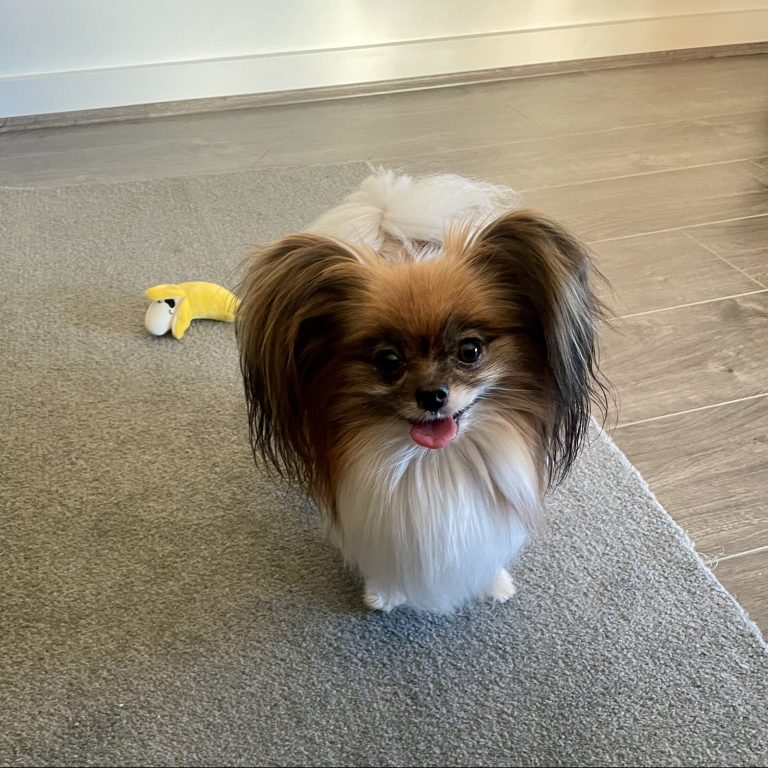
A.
x: 62, y: 55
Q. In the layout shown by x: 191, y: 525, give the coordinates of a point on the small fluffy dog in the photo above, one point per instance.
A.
x: 422, y: 358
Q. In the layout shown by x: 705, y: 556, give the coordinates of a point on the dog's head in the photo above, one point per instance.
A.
x: 334, y: 339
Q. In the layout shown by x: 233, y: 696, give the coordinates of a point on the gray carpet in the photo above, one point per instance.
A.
x: 162, y: 602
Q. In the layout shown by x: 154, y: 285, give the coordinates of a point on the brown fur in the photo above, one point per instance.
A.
x: 315, y: 312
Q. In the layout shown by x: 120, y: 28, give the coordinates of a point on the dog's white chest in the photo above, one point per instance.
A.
x: 433, y: 528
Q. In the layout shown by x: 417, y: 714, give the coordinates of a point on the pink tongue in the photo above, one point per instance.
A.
x: 434, y: 434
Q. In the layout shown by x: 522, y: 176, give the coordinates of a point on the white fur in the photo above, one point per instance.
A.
x: 430, y: 528
x: 386, y: 205
x: 434, y: 528
x: 502, y: 588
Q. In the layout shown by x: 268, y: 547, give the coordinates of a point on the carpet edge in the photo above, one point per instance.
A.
x: 684, y: 538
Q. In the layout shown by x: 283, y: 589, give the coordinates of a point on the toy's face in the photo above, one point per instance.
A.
x: 160, y: 315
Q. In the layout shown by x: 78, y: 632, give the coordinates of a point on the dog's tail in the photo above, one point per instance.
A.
x: 393, y: 205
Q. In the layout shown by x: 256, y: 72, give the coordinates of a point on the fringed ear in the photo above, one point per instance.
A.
x: 539, y: 265
x: 289, y: 325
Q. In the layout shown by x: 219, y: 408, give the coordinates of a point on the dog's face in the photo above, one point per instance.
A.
x: 335, y: 340
x: 430, y: 344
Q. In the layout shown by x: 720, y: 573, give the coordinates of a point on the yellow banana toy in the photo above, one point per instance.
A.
x: 174, y: 307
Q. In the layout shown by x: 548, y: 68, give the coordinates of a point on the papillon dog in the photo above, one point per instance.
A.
x: 422, y: 359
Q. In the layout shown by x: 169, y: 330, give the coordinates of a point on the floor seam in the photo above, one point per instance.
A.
x: 746, y: 399
x: 675, y: 229
x: 723, y: 258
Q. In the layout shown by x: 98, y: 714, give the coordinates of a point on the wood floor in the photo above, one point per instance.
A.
x: 663, y: 169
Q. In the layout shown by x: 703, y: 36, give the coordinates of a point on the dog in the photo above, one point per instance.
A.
x: 422, y: 358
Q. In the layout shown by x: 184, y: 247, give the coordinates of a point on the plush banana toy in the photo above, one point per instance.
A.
x: 174, y: 307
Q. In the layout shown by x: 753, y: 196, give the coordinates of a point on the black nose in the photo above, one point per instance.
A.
x: 431, y: 399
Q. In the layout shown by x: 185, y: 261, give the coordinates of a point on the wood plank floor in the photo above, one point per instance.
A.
x: 663, y: 169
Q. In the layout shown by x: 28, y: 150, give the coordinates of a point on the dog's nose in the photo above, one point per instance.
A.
x: 432, y: 399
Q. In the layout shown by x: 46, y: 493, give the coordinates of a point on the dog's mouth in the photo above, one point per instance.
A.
x: 437, y: 432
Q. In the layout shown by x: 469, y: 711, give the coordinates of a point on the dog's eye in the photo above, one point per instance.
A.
x: 170, y: 302
x: 470, y: 351
x: 387, y: 362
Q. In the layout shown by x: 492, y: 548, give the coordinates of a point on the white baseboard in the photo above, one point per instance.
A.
x: 199, y: 79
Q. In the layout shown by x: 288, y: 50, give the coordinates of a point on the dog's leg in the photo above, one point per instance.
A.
x: 502, y: 588
x: 380, y: 600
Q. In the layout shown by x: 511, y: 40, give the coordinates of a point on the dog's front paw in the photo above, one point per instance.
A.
x: 378, y: 600
x: 502, y: 588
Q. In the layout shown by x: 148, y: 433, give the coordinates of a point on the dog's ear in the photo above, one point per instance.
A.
x: 543, y: 269
x: 289, y: 326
